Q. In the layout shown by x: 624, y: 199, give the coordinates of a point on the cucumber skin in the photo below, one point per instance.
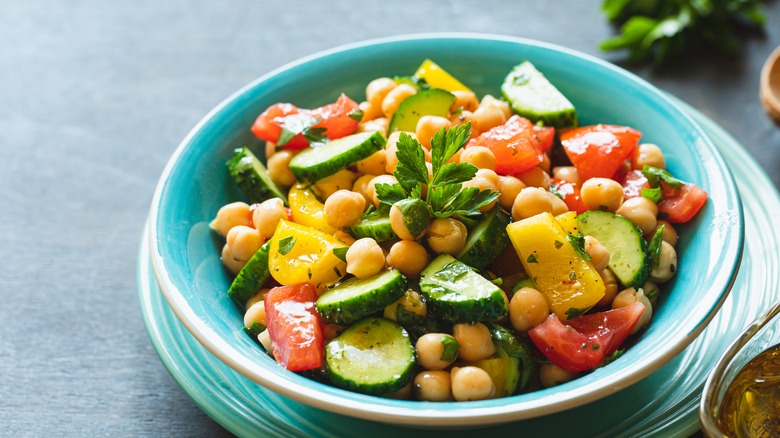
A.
x: 320, y: 170
x: 491, y: 244
x: 417, y: 105
x: 468, y: 310
x: 256, y: 188
x: 398, y: 379
x: 563, y: 117
x: 252, y: 276
x: 585, y: 225
x: 377, y: 228
x: 356, y: 308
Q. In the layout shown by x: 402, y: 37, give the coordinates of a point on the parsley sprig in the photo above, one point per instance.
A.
x: 444, y: 191
x: 301, y: 123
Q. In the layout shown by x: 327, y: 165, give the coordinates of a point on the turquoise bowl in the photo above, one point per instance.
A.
x: 195, y: 184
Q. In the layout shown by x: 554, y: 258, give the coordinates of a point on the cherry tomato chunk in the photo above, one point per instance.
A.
x: 599, y: 150
x: 681, y: 205
x: 518, y: 145
x: 294, y: 326
x: 334, y: 119
x: 570, y: 193
x: 583, y: 343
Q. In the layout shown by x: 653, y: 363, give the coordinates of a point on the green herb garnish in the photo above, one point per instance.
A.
x: 356, y: 114
x: 451, y: 347
x: 578, y: 243
x: 574, y: 312
x: 655, y: 175
x: 444, y: 195
x: 653, y: 194
x: 654, y: 247
x: 662, y: 29
x: 295, y: 124
x: 532, y: 259
x: 341, y: 253
x: 286, y: 245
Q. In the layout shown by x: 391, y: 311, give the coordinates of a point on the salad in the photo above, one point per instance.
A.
x: 431, y: 244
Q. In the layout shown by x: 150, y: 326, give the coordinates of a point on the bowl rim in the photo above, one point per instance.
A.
x: 418, y: 413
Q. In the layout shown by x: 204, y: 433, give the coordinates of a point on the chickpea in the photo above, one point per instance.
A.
x: 265, y: 340
x: 550, y: 375
x: 667, y: 264
x: 405, y: 393
x: 365, y: 258
x: 471, y: 383
x: 508, y: 187
x: 599, y: 254
x: 528, y: 308
x: 412, y: 303
x: 427, y: 126
x: 380, y: 124
x: 567, y: 173
x: 371, y: 187
x: 255, y: 314
x: 629, y: 296
x: 370, y: 112
x: 479, y: 156
x: 485, y: 179
x: 536, y: 177
x: 361, y: 187
x: 436, y: 351
x: 408, y: 256
x: 344, y: 207
x: 279, y: 168
x: 487, y: 117
x: 648, y: 154
x: 266, y: 215
x: 447, y: 236
x: 257, y: 297
x: 602, y: 194
x: 530, y: 202
x: 641, y: 212
x: 400, y: 228
x: 244, y: 242
x: 375, y: 164
x: 391, y: 149
x: 394, y: 98
x: 433, y: 386
x: 464, y: 117
x: 651, y: 291
x: 558, y: 206
x: 232, y: 265
x: 270, y: 149
x: 474, y: 340
x: 341, y: 180
x: 231, y: 215
x: 610, y: 288
x: 377, y: 89
x: 492, y: 102
x: 467, y: 100
x: 668, y: 235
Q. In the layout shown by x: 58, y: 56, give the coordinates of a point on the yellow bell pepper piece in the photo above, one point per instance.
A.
x: 298, y: 254
x: 437, y: 77
x: 568, y: 222
x: 308, y: 210
x: 570, y: 282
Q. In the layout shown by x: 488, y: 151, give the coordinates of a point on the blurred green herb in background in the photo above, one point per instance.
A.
x: 661, y: 29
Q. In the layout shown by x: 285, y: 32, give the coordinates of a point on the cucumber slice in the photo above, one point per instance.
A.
x: 357, y: 298
x: 252, y: 276
x: 628, y: 258
x: 487, y: 240
x: 315, y: 163
x: 252, y: 177
x: 373, y: 356
x: 532, y: 96
x: 429, y: 102
x: 458, y: 294
x: 374, y: 225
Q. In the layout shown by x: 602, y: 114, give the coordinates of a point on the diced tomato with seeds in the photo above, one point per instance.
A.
x: 681, y: 205
x: 571, y: 195
x: 599, y: 150
x: 517, y: 145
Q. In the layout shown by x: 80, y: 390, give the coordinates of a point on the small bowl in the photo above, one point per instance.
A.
x: 759, y: 336
x: 195, y: 184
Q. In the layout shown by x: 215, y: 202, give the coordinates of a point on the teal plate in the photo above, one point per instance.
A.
x: 665, y: 403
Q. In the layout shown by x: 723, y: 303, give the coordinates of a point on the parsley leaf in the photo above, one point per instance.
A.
x: 341, y: 253
x: 578, y: 242
x: 301, y: 123
x: 286, y: 245
x: 574, y: 312
x: 654, y: 194
x: 446, y: 143
x: 390, y: 193
x: 450, y: 348
x: 411, y: 169
x: 654, y: 248
x: 655, y: 175
x: 356, y: 114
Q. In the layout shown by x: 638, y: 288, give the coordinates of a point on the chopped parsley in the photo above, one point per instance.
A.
x: 286, y: 245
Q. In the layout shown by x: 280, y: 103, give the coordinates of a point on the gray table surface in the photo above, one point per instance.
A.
x: 95, y: 96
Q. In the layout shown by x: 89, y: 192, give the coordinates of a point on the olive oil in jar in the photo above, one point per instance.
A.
x: 751, y: 405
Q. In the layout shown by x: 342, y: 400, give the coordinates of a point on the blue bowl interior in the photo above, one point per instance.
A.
x: 197, y: 185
